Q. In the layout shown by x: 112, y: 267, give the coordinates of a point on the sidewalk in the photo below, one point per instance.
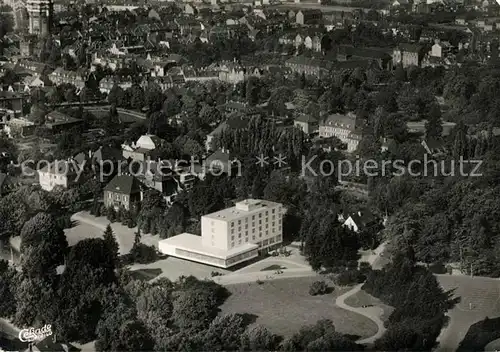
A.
x: 372, y: 313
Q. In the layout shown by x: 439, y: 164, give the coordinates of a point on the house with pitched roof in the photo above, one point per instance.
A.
x: 60, y: 76
x: 359, y: 220
x: 221, y: 161
x: 232, y: 124
x: 309, y: 66
x: 122, y: 191
x: 143, y: 148
x: 307, y: 123
x: 408, y: 55
x: 347, y: 128
x: 63, y: 173
x: 309, y: 16
x: 58, y: 122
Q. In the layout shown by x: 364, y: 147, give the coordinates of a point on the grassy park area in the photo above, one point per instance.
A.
x: 284, y: 306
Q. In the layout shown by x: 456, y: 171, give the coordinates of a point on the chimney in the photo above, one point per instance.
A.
x: 359, y: 213
x: 90, y: 154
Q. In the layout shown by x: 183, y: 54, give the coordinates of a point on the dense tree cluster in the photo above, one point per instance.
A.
x: 419, y: 301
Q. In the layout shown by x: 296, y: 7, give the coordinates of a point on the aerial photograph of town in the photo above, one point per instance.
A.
x: 249, y: 175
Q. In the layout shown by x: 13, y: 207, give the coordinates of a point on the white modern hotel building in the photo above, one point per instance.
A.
x: 231, y: 236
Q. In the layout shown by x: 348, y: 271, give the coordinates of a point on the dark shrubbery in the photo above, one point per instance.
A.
x: 349, y: 277
x: 141, y: 254
x: 318, y: 288
x: 480, y: 334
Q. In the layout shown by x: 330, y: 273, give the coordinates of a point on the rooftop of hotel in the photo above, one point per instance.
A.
x: 243, y: 208
x: 193, y: 243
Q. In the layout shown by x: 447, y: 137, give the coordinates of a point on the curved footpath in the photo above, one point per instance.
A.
x: 370, y: 313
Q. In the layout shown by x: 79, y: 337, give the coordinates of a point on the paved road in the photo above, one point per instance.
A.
x: 372, y: 313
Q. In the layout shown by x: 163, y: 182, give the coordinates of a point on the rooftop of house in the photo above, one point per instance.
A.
x: 340, y: 120
x: 306, y: 118
x: 149, y: 142
x: 361, y: 217
x: 124, y: 184
x: 369, y: 53
x: 233, y: 123
x: 106, y: 153
x: 61, y: 167
x: 414, y: 48
x: 307, y: 61
x: 55, y: 118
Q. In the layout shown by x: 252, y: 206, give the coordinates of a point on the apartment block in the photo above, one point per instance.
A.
x: 231, y: 236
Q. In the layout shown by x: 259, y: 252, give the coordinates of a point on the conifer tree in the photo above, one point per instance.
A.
x: 110, y: 240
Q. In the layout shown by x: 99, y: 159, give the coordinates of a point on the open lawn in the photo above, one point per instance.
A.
x: 480, y: 298
x: 284, y: 306
x: 361, y: 298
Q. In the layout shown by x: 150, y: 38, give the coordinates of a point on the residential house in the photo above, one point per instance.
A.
x: 146, y: 146
x: 60, y: 76
x: 401, y: 4
x: 221, y: 32
x: 360, y: 220
x: 434, y: 146
x: 408, y: 55
x: 461, y: 20
x: 286, y: 39
x: 33, y: 67
x: 299, y: 40
x: 189, y: 9
x: 107, y: 83
x: 222, y: 161
x: 440, y: 49
x: 308, y: 17
x: 344, y: 127
x: 57, y: 122
x: 232, y: 124
x: 316, y: 43
x: 199, y: 75
x: 380, y: 57
x: 242, y: 109
x: 306, y: 123
x: 106, y: 162
x: 122, y: 192
x: 308, y: 66
x: 12, y: 101
x: 27, y: 46
x: 33, y: 82
x: 63, y: 173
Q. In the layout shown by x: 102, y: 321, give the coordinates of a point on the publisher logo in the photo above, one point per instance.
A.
x: 32, y: 334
